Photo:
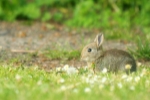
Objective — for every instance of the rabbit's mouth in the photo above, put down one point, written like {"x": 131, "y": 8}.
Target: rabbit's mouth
{"x": 84, "y": 58}
{"x": 87, "y": 59}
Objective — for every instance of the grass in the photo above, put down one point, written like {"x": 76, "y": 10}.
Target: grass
{"x": 18, "y": 82}
{"x": 62, "y": 54}
{"x": 23, "y": 83}
{"x": 120, "y": 34}
{"x": 143, "y": 49}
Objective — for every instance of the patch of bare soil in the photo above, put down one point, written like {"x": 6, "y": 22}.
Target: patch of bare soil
{"x": 22, "y": 41}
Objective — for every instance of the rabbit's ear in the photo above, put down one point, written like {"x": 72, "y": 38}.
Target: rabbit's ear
{"x": 99, "y": 40}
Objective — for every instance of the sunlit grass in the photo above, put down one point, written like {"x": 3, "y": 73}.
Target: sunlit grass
{"x": 120, "y": 34}
{"x": 62, "y": 54}
{"x": 143, "y": 49}
{"x": 23, "y": 83}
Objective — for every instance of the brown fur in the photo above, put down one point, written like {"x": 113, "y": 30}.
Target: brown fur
{"x": 114, "y": 60}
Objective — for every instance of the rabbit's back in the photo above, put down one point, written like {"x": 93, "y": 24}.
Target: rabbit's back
{"x": 115, "y": 60}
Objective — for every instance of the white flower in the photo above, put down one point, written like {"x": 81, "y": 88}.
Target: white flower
{"x": 58, "y": 69}
{"x": 62, "y": 88}
{"x": 72, "y": 70}
{"x": 112, "y": 88}
{"x": 69, "y": 70}
{"x": 65, "y": 68}
{"x": 87, "y": 90}
{"x": 95, "y": 78}
{"x": 143, "y": 72}
{"x": 87, "y": 80}
{"x": 90, "y": 75}
{"x": 36, "y": 67}
{"x": 85, "y": 67}
{"x": 139, "y": 64}
{"x": 91, "y": 81}
{"x": 132, "y": 88}
{"x": 119, "y": 85}
{"x": 39, "y": 82}
{"x": 75, "y": 90}
{"x": 137, "y": 78}
{"x": 101, "y": 86}
{"x": 104, "y": 70}
{"x": 124, "y": 76}
{"x": 129, "y": 79}
{"x": 128, "y": 66}
{"x": 18, "y": 77}
{"x": 61, "y": 80}
{"x": 147, "y": 83}
{"x": 104, "y": 79}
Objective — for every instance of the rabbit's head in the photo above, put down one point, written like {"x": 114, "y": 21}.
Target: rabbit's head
{"x": 93, "y": 50}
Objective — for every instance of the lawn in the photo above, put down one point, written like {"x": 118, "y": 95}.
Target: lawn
{"x": 23, "y": 83}
{"x": 56, "y": 31}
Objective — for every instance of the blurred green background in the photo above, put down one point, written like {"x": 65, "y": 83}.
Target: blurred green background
{"x": 79, "y": 13}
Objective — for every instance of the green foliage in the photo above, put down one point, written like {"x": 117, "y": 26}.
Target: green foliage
{"x": 58, "y": 17}
{"x": 85, "y": 17}
{"x": 46, "y": 17}
{"x": 31, "y": 11}
{"x": 12, "y": 9}
{"x": 120, "y": 13}
{"x": 80, "y": 13}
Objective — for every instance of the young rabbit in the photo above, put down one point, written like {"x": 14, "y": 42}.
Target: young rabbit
{"x": 114, "y": 60}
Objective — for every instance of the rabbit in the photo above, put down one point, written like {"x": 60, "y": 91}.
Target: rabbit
{"x": 113, "y": 60}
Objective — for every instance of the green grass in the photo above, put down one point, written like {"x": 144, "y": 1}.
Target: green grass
{"x": 143, "y": 49}
{"x": 119, "y": 34}
{"x": 62, "y": 54}
{"x": 24, "y": 83}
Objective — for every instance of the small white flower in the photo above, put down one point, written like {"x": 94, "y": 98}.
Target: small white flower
{"x": 137, "y": 78}
{"x": 87, "y": 90}
{"x": 69, "y": 70}
{"x": 147, "y": 83}
{"x": 129, "y": 79}
{"x": 87, "y": 80}
{"x": 128, "y": 66}
{"x": 36, "y": 67}
{"x": 143, "y": 72}
{"x": 58, "y": 69}
{"x": 90, "y": 75}
{"x": 104, "y": 79}
{"x": 85, "y": 68}
{"x": 39, "y": 82}
{"x": 63, "y": 88}
{"x": 132, "y": 88}
{"x": 101, "y": 86}
{"x": 104, "y": 70}
{"x": 18, "y": 77}
{"x": 124, "y": 76}
{"x": 65, "y": 68}
{"x": 95, "y": 78}
{"x": 112, "y": 88}
{"x": 119, "y": 85}
{"x": 75, "y": 90}
{"x": 91, "y": 81}
{"x": 139, "y": 64}
{"x": 72, "y": 70}
{"x": 61, "y": 80}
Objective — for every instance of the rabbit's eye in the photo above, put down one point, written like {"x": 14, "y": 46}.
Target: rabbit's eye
{"x": 89, "y": 49}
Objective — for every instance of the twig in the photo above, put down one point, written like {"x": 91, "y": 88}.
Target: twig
{"x": 22, "y": 51}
